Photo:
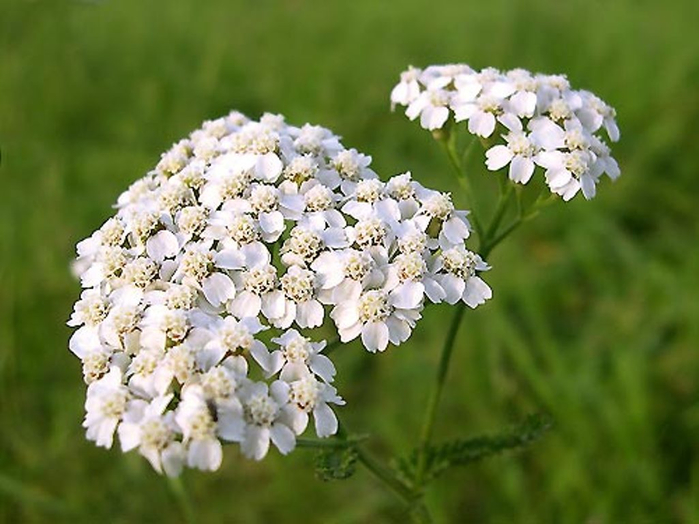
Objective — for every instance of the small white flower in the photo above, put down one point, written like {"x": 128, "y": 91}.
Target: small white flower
{"x": 519, "y": 153}
{"x": 299, "y": 351}
{"x": 105, "y": 405}
{"x": 300, "y": 302}
{"x": 153, "y": 432}
{"x": 198, "y": 426}
{"x": 263, "y": 418}
{"x": 380, "y": 316}
{"x": 343, "y": 274}
{"x": 307, "y": 395}
{"x": 454, "y": 227}
{"x": 432, "y": 106}
{"x": 407, "y": 89}
{"x": 459, "y": 279}
{"x": 231, "y": 337}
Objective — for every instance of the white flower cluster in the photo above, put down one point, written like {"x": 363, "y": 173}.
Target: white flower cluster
{"x": 243, "y": 231}
{"x": 541, "y": 120}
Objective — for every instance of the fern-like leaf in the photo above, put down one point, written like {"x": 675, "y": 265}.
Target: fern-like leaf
{"x": 336, "y": 463}
{"x": 461, "y": 452}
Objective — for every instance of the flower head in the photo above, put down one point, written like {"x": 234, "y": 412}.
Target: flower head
{"x": 536, "y": 120}
{"x": 245, "y": 227}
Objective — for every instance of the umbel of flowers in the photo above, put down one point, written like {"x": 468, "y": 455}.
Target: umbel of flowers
{"x": 532, "y": 119}
{"x": 199, "y": 294}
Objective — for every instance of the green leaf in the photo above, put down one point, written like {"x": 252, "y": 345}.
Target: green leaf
{"x": 336, "y": 463}
{"x": 462, "y": 452}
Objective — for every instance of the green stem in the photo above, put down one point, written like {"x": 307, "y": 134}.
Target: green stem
{"x": 385, "y": 475}
{"x": 488, "y": 243}
{"x": 499, "y": 214}
{"x": 522, "y": 217}
{"x": 449, "y": 145}
{"x": 180, "y": 493}
{"x": 332, "y": 443}
{"x": 436, "y": 395}
{"x": 342, "y": 440}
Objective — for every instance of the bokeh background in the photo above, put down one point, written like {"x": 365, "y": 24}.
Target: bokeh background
{"x": 595, "y": 318}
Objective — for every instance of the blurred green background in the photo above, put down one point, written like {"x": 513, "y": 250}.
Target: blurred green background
{"x": 595, "y": 317}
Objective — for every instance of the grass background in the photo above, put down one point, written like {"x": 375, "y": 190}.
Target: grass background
{"x": 595, "y": 317}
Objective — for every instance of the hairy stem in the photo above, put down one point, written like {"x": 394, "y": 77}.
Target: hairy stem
{"x": 383, "y": 473}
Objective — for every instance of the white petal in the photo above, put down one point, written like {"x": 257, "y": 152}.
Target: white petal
{"x": 416, "y": 107}
{"x": 84, "y": 341}
{"x": 550, "y": 159}
{"x": 273, "y": 304}
{"x": 231, "y": 426}
{"x": 453, "y": 287}
{"x": 434, "y": 291}
{"x": 325, "y": 420}
{"x": 500, "y": 89}
{"x": 152, "y": 338}
{"x": 434, "y": 117}
{"x": 296, "y": 419}
{"x": 345, "y": 315}
{"x": 464, "y": 112}
{"x": 498, "y": 157}
{"x": 521, "y": 169}
{"x": 557, "y": 178}
{"x": 398, "y": 330}
{"x": 256, "y": 254}
{"x": 173, "y": 459}
{"x": 309, "y": 314}
{"x": 246, "y": 304}
{"x": 456, "y": 230}
{"x": 129, "y": 436}
{"x": 230, "y": 258}
{"x": 546, "y": 134}
{"x": 587, "y": 184}
{"x": 256, "y": 442}
{"x": 482, "y": 124}
{"x": 268, "y": 167}
{"x": 511, "y": 122}
{"x": 162, "y": 245}
{"x": 323, "y": 367}
{"x": 407, "y": 295}
{"x": 350, "y": 332}
{"x": 218, "y": 288}
{"x": 476, "y": 292}
{"x": 205, "y": 454}
{"x": 612, "y": 130}
{"x": 283, "y": 438}
{"x": 209, "y": 355}
{"x": 272, "y": 222}
{"x": 375, "y": 336}
{"x": 335, "y": 237}
{"x": 524, "y": 103}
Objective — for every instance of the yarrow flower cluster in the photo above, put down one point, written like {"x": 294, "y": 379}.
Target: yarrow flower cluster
{"x": 540, "y": 121}
{"x": 197, "y": 292}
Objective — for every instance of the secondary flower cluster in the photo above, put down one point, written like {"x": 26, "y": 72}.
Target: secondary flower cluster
{"x": 245, "y": 233}
{"x": 540, "y": 119}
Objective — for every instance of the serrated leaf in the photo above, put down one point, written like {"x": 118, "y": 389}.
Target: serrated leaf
{"x": 336, "y": 463}
{"x": 461, "y": 452}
